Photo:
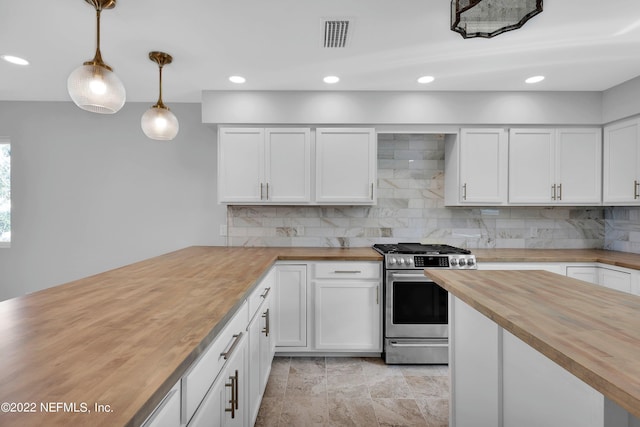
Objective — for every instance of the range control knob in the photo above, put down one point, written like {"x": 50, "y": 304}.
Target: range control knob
{"x": 470, "y": 262}
{"x": 453, "y": 261}
{"x": 462, "y": 262}
{"x": 392, "y": 261}
{"x": 401, "y": 261}
{"x": 410, "y": 260}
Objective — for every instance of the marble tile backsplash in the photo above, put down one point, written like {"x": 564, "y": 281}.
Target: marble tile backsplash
{"x": 622, "y": 229}
{"x": 411, "y": 208}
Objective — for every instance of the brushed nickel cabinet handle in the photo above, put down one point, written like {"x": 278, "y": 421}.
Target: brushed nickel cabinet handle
{"x": 372, "y": 191}
{"x": 261, "y": 185}
{"x": 267, "y": 191}
{"x": 635, "y": 189}
{"x": 553, "y": 192}
{"x": 559, "y": 191}
{"x": 266, "y": 292}
{"x": 377, "y": 295}
{"x": 232, "y": 384}
{"x": 265, "y": 315}
{"x": 227, "y": 353}
{"x": 464, "y": 191}
{"x": 235, "y": 397}
{"x": 347, "y": 271}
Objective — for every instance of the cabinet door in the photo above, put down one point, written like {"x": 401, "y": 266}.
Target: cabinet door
{"x": 346, "y": 165}
{"x": 267, "y": 343}
{"x": 538, "y": 392}
{"x": 288, "y": 165}
{"x": 291, "y": 306}
{"x": 240, "y": 165}
{"x": 621, "y": 163}
{"x": 347, "y": 315}
{"x": 483, "y": 166}
{"x": 167, "y": 414}
{"x": 209, "y": 412}
{"x": 531, "y": 166}
{"x": 578, "y": 166}
{"x": 618, "y": 280}
{"x": 235, "y": 391}
{"x": 254, "y": 366}
{"x": 587, "y": 274}
{"x": 474, "y": 361}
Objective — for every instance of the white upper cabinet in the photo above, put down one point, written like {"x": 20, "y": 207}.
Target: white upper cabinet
{"x": 579, "y": 166}
{"x": 555, "y": 166}
{"x": 288, "y": 165}
{"x": 240, "y": 165}
{"x": 476, "y": 168}
{"x": 346, "y": 166}
{"x": 621, "y": 180}
{"x": 262, "y": 166}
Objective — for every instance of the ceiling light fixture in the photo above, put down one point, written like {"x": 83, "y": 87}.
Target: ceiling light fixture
{"x": 237, "y": 79}
{"x": 331, "y": 79}
{"x": 158, "y": 122}
{"x": 488, "y": 18}
{"x": 15, "y": 60}
{"x": 426, "y": 79}
{"x": 94, "y": 86}
{"x": 534, "y": 79}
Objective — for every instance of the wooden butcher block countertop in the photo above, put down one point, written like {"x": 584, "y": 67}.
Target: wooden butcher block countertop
{"x": 620, "y": 259}
{"x": 123, "y": 338}
{"x": 591, "y": 331}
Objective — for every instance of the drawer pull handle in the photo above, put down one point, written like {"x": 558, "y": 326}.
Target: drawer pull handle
{"x": 227, "y": 353}
{"x": 347, "y": 271}
{"x": 234, "y": 394}
{"x": 464, "y": 191}
{"x": 265, "y": 316}
{"x": 266, "y": 292}
{"x": 635, "y": 189}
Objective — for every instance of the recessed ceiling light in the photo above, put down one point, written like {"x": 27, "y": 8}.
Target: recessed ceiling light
{"x": 426, "y": 79}
{"x": 534, "y": 79}
{"x": 331, "y": 79}
{"x": 15, "y": 60}
{"x": 237, "y": 79}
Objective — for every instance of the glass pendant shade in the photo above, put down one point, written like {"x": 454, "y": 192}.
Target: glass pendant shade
{"x": 159, "y": 123}
{"x": 96, "y": 89}
{"x": 488, "y": 18}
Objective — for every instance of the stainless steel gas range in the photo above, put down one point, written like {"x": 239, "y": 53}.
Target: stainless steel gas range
{"x": 416, "y": 309}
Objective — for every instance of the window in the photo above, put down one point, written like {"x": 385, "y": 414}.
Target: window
{"x": 5, "y": 192}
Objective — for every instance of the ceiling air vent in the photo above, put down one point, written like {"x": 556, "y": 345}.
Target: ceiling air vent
{"x": 336, "y": 32}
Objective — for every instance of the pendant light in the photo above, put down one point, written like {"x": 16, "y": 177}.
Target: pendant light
{"x": 158, "y": 122}
{"x": 94, "y": 86}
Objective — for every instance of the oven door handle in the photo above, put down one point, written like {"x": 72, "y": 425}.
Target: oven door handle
{"x": 418, "y": 344}
{"x": 411, "y": 276}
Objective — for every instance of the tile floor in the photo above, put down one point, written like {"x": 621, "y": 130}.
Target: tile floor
{"x": 347, "y": 391}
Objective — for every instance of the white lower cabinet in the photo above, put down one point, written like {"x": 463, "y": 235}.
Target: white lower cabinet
{"x": 291, "y": 305}
{"x": 337, "y": 309}
{"x": 167, "y": 413}
{"x": 499, "y": 381}
{"x": 225, "y": 404}
{"x": 261, "y": 348}
{"x": 347, "y": 315}
{"x": 611, "y": 277}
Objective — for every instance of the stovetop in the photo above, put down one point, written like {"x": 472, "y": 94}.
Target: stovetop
{"x": 418, "y": 249}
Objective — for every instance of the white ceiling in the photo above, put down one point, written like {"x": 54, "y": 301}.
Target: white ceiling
{"x": 579, "y": 45}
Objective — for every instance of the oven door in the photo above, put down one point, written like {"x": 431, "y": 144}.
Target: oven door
{"x": 415, "y": 307}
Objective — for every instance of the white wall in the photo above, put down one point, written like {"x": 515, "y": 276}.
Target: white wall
{"x": 384, "y": 108}
{"x": 90, "y": 192}
{"x": 621, "y": 101}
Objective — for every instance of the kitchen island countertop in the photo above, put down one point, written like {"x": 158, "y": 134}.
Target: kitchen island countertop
{"x": 591, "y": 331}
{"x": 123, "y": 338}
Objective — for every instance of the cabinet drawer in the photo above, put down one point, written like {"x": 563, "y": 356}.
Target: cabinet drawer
{"x": 167, "y": 413}
{"x": 204, "y": 371}
{"x": 347, "y": 270}
{"x": 260, "y": 293}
